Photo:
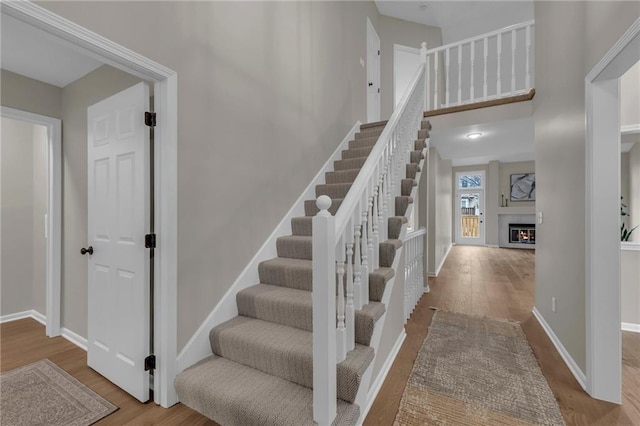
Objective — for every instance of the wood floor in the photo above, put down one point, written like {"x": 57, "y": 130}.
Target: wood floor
{"x": 500, "y": 283}
{"x": 474, "y": 280}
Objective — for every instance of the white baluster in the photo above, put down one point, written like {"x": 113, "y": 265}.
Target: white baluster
{"x": 350, "y": 308}
{"x": 376, "y": 234}
{"x": 528, "y": 54}
{"x": 436, "y": 82}
{"x": 473, "y": 58}
{"x": 357, "y": 266}
{"x": 423, "y": 59}
{"x": 499, "y": 81}
{"x": 459, "y": 74}
{"x": 341, "y": 331}
{"x": 447, "y": 77}
{"x": 406, "y": 288}
{"x": 428, "y": 85}
{"x": 365, "y": 258}
{"x": 513, "y": 61}
{"x": 486, "y": 61}
{"x": 370, "y": 247}
{"x": 324, "y": 314}
{"x": 421, "y": 266}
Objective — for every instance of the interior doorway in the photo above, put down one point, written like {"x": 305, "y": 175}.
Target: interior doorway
{"x": 373, "y": 74}
{"x": 470, "y": 204}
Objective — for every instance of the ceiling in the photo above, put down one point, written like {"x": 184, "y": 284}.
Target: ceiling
{"x": 459, "y": 20}
{"x": 504, "y": 141}
{"x": 34, "y": 53}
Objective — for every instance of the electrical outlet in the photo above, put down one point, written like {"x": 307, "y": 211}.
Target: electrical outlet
{"x": 540, "y": 218}
{"x": 554, "y": 305}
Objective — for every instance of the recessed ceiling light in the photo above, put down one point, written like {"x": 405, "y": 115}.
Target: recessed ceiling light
{"x": 474, "y": 135}
{"x": 423, "y": 6}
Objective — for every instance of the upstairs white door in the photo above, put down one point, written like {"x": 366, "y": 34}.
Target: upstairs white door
{"x": 373, "y": 74}
{"x": 118, "y": 268}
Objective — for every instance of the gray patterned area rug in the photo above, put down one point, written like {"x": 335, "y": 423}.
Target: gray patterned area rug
{"x": 476, "y": 371}
{"x": 44, "y": 394}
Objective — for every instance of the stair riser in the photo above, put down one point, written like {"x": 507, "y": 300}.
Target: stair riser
{"x": 416, "y": 156}
{"x": 419, "y": 144}
{"x": 296, "y": 277}
{"x": 425, "y": 124}
{"x": 302, "y": 226}
{"x": 337, "y": 190}
{"x": 345, "y": 176}
{"x": 368, "y": 134}
{"x": 363, "y": 143}
{"x": 412, "y": 170}
{"x": 356, "y": 153}
{"x": 350, "y": 164}
{"x": 311, "y": 209}
{"x": 294, "y": 249}
{"x": 373, "y": 125}
{"x": 406, "y": 186}
{"x": 402, "y": 203}
{"x": 423, "y": 134}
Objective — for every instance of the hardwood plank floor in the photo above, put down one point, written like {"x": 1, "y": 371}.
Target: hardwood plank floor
{"x": 476, "y": 280}
{"x": 500, "y": 283}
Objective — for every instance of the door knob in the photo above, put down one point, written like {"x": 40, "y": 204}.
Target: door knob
{"x": 370, "y": 84}
{"x": 86, "y": 250}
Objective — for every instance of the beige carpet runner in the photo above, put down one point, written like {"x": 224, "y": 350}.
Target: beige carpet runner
{"x": 260, "y": 372}
{"x": 476, "y": 371}
{"x": 44, "y": 394}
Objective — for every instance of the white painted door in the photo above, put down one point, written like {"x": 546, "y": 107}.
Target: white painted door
{"x": 470, "y": 208}
{"x": 373, "y": 74}
{"x": 118, "y": 269}
{"x": 406, "y": 61}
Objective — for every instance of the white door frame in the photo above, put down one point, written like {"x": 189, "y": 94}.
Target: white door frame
{"x": 373, "y": 114}
{"x": 397, "y": 50}
{"x": 602, "y": 219}
{"x": 54, "y": 211}
{"x": 165, "y": 163}
{"x": 480, "y": 190}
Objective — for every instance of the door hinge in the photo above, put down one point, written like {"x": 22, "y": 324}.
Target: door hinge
{"x": 378, "y": 90}
{"x": 150, "y": 240}
{"x": 150, "y": 119}
{"x": 150, "y": 363}
{"x": 378, "y": 52}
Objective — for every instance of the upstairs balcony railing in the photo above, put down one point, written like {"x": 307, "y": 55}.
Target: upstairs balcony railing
{"x": 491, "y": 66}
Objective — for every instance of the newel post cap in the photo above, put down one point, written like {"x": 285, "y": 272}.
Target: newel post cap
{"x": 323, "y": 202}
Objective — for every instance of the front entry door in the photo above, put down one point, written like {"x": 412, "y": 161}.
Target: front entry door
{"x": 469, "y": 209}
{"x": 118, "y": 218}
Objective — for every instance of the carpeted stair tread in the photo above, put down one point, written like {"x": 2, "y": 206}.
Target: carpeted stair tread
{"x": 235, "y": 395}
{"x": 342, "y": 176}
{"x": 294, "y": 308}
{"x": 419, "y": 144}
{"x": 290, "y": 273}
{"x": 369, "y": 133}
{"x": 425, "y": 124}
{"x": 356, "y": 152}
{"x": 378, "y": 281}
{"x": 374, "y": 124}
{"x": 294, "y": 247}
{"x": 394, "y": 226}
{"x": 416, "y": 156}
{"x": 302, "y": 225}
{"x": 363, "y": 142}
{"x": 402, "y": 203}
{"x": 333, "y": 190}
{"x": 387, "y": 252}
{"x": 311, "y": 209}
{"x": 423, "y": 133}
{"x": 412, "y": 170}
{"x": 285, "y": 352}
{"x": 406, "y": 186}
{"x": 350, "y": 164}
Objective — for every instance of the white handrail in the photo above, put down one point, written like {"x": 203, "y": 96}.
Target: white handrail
{"x": 346, "y": 247}
{"x": 503, "y": 73}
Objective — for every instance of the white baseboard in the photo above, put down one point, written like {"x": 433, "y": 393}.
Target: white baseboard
{"x": 24, "y": 314}
{"x": 444, "y": 258}
{"x": 377, "y": 383}
{"x": 493, "y": 246}
{"x": 74, "y": 338}
{"x": 573, "y": 367}
{"x": 198, "y": 347}
{"x": 629, "y": 326}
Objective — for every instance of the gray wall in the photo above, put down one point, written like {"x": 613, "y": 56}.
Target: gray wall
{"x": 630, "y": 290}
{"x": 266, "y": 91}
{"x": 506, "y": 170}
{"x": 440, "y": 209}
{"x": 630, "y": 96}
{"x": 23, "y": 203}
{"x": 570, "y": 38}
{"x": 633, "y": 199}
{"x": 397, "y": 31}
{"x": 76, "y": 98}
{"x": 31, "y": 95}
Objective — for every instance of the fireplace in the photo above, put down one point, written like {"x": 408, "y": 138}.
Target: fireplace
{"x": 522, "y": 233}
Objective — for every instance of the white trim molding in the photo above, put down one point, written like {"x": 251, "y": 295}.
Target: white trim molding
{"x": 32, "y": 313}
{"x": 630, "y": 129}
{"x": 53, "y": 260}
{"x": 375, "y": 387}
{"x": 74, "y": 338}
{"x": 629, "y": 246}
{"x": 602, "y": 203}
{"x": 444, "y": 258}
{"x": 628, "y": 326}
{"x": 166, "y": 166}
{"x": 568, "y": 359}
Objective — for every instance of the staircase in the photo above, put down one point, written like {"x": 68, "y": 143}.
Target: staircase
{"x": 261, "y": 370}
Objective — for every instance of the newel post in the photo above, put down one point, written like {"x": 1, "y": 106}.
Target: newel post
{"x": 324, "y": 314}
{"x": 423, "y": 59}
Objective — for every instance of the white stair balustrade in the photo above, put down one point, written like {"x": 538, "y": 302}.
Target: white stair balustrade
{"x": 414, "y": 285}
{"x": 353, "y": 237}
{"x": 507, "y": 68}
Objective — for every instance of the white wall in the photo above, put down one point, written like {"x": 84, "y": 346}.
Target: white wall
{"x": 23, "y": 203}
{"x": 630, "y": 286}
{"x": 405, "y": 65}
{"x": 633, "y": 200}
{"x": 630, "y": 96}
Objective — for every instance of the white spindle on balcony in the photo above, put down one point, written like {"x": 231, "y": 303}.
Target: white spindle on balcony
{"x": 493, "y": 87}
{"x": 353, "y": 237}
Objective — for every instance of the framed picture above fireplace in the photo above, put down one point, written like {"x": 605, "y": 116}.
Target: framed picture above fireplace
{"x": 523, "y": 187}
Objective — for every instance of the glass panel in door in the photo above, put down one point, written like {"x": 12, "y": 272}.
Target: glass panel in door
{"x": 469, "y": 226}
